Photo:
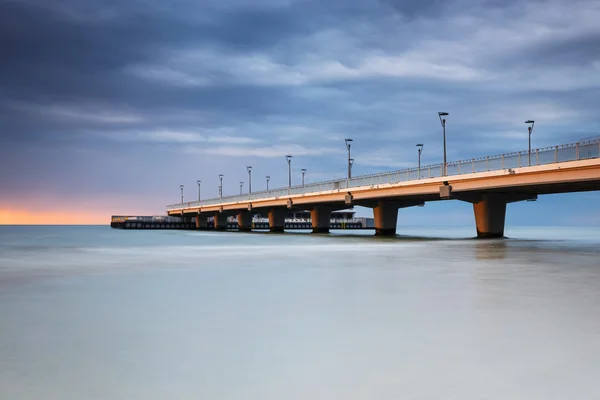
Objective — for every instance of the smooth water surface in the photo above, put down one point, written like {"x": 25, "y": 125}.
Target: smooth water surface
{"x": 96, "y": 313}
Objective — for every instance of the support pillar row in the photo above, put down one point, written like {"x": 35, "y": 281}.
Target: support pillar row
{"x": 490, "y": 213}
{"x": 277, "y": 219}
{"x": 321, "y": 218}
{"x": 244, "y": 221}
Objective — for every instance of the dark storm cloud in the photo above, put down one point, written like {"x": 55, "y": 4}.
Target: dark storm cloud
{"x": 194, "y": 86}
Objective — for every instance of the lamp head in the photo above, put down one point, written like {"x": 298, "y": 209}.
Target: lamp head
{"x": 198, "y": 182}
{"x": 442, "y": 114}
{"x": 249, "y": 167}
{"x": 529, "y": 121}
{"x": 288, "y": 158}
{"x": 303, "y": 170}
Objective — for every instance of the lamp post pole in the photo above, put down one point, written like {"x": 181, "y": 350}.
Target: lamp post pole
{"x": 249, "y": 168}
{"x": 420, "y": 149}
{"x": 199, "y": 183}
{"x": 443, "y": 121}
{"x": 268, "y": 177}
{"x": 221, "y": 186}
{"x": 348, "y": 142}
{"x": 303, "y": 172}
{"x": 530, "y": 129}
{"x": 289, "y": 161}
{"x": 181, "y": 187}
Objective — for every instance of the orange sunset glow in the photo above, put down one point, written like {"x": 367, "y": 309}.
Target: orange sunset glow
{"x": 25, "y": 217}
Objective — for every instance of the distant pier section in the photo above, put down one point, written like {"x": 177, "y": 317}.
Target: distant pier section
{"x": 294, "y": 220}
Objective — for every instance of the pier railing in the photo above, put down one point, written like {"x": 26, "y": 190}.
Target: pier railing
{"x": 542, "y": 156}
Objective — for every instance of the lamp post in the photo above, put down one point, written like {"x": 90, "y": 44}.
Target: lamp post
{"x": 199, "y": 183}
{"x": 268, "y": 178}
{"x": 241, "y": 185}
{"x": 420, "y": 148}
{"x": 348, "y": 144}
{"x": 443, "y": 121}
{"x": 249, "y": 168}
{"x": 530, "y": 129}
{"x": 181, "y": 187}
{"x": 289, "y": 161}
{"x": 303, "y": 172}
{"x": 221, "y": 185}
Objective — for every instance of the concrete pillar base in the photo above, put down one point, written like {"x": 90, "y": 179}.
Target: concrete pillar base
{"x": 386, "y": 217}
{"x": 490, "y": 213}
{"x": 245, "y": 221}
{"x": 277, "y": 219}
{"x": 220, "y": 222}
{"x": 385, "y": 232}
{"x": 320, "y": 217}
{"x": 201, "y": 222}
{"x": 490, "y": 235}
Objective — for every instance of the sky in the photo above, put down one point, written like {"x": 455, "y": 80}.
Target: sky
{"x": 107, "y": 106}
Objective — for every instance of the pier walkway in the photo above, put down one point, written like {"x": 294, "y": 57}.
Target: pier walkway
{"x": 489, "y": 183}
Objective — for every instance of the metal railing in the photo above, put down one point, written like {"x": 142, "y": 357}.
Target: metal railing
{"x": 546, "y": 155}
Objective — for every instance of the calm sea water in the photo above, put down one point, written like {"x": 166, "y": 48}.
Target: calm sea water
{"x": 95, "y": 313}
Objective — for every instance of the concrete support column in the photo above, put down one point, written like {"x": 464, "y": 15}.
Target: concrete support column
{"x": 490, "y": 213}
{"x": 201, "y": 221}
{"x": 386, "y": 217}
{"x": 277, "y": 219}
{"x": 245, "y": 221}
{"x": 320, "y": 216}
{"x": 220, "y": 221}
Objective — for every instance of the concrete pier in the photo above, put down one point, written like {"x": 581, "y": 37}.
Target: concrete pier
{"x": 321, "y": 217}
{"x": 277, "y": 219}
{"x": 490, "y": 213}
{"x": 220, "y": 221}
{"x": 201, "y": 222}
{"x": 385, "y": 214}
{"x": 489, "y": 183}
{"x": 244, "y": 221}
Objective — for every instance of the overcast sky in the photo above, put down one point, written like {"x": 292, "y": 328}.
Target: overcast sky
{"x": 107, "y": 106}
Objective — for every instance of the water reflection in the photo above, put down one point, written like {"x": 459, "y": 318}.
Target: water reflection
{"x": 490, "y": 249}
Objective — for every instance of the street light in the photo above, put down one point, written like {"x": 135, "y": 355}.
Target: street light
{"x": 221, "y": 186}
{"x": 289, "y": 161}
{"x": 241, "y": 185}
{"x": 420, "y": 147}
{"x": 199, "y": 183}
{"x": 530, "y": 129}
{"x": 181, "y": 187}
{"x": 348, "y": 144}
{"x": 303, "y": 172}
{"x": 443, "y": 121}
{"x": 268, "y": 177}
{"x": 249, "y": 168}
